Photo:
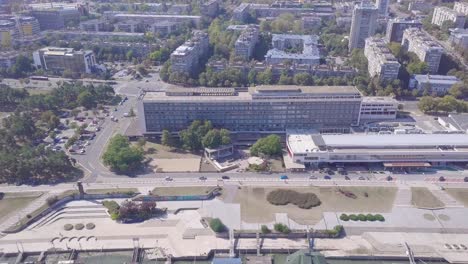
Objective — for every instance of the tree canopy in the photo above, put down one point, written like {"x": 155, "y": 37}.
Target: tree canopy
{"x": 267, "y": 146}
{"x": 201, "y": 134}
{"x": 121, "y": 156}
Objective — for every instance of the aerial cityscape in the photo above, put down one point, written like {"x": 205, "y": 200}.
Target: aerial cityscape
{"x": 234, "y": 131}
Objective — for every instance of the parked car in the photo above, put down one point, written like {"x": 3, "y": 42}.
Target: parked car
{"x": 168, "y": 178}
{"x": 313, "y": 177}
{"x": 224, "y": 177}
{"x": 202, "y": 178}
{"x": 362, "y": 178}
{"x": 389, "y": 178}
{"x": 463, "y": 247}
{"x": 347, "y": 178}
{"x": 442, "y": 178}
{"x": 284, "y": 177}
{"x": 327, "y": 177}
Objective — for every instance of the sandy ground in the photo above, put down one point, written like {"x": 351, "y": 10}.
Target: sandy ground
{"x": 459, "y": 194}
{"x": 423, "y": 198}
{"x": 158, "y": 151}
{"x": 15, "y": 201}
{"x": 176, "y": 165}
{"x": 255, "y": 207}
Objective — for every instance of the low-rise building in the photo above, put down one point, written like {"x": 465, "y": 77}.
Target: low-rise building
{"x": 439, "y": 84}
{"x": 58, "y": 60}
{"x": 165, "y": 28}
{"x": 393, "y": 150}
{"x": 442, "y": 14}
{"x": 210, "y": 8}
{"x": 130, "y": 26}
{"x": 418, "y": 41}
{"x": 311, "y": 22}
{"x": 8, "y": 59}
{"x": 93, "y": 25}
{"x": 299, "y": 49}
{"x": 459, "y": 38}
{"x": 381, "y": 62}
{"x": 378, "y": 108}
{"x": 397, "y": 26}
{"x": 187, "y": 56}
{"x": 245, "y": 44}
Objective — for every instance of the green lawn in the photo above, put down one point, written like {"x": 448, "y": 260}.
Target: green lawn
{"x": 12, "y": 202}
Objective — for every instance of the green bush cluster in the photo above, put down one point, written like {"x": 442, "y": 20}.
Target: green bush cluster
{"x": 282, "y": 228}
{"x": 336, "y": 231}
{"x": 265, "y": 229}
{"x": 90, "y": 226}
{"x": 68, "y": 227}
{"x": 79, "y": 226}
{"x": 362, "y": 217}
{"x": 217, "y": 226}
{"x": 302, "y": 200}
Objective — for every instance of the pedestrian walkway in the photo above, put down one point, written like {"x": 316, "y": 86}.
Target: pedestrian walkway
{"x": 403, "y": 197}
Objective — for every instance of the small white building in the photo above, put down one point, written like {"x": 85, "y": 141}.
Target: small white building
{"x": 439, "y": 84}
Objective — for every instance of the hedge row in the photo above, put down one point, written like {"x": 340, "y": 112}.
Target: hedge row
{"x": 362, "y": 217}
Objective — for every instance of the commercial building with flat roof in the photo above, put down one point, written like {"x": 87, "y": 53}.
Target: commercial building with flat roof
{"x": 378, "y": 108}
{"x": 363, "y": 24}
{"x": 394, "y": 150}
{"x": 260, "y": 109}
{"x": 381, "y": 62}
{"x": 397, "y": 26}
{"x": 439, "y": 84}
{"x": 59, "y": 59}
{"x": 442, "y": 14}
{"x": 418, "y": 41}
{"x": 299, "y": 49}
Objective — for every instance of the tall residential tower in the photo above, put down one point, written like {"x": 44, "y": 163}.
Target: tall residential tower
{"x": 363, "y": 24}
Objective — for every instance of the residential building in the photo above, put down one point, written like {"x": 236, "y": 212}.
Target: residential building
{"x": 311, "y": 22}
{"x": 393, "y": 150}
{"x": 179, "y": 9}
{"x": 378, "y": 108}
{"x": 298, "y": 49}
{"x": 58, "y": 60}
{"x": 397, "y": 26}
{"x": 245, "y": 44}
{"x": 438, "y": 84}
{"x": 56, "y": 15}
{"x": 210, "y": 8}
{"x": 461, "y": 7}
{"x": 459, "y": 38}
{"x": 418, "y": 41}
{"x": 129, "y": 26}
{"x": 382, "y": 5}
{"x": 95, "y": 36}
{"x": 381, "y": 62}
{"x": 147, "y": 20}
{"x": 363, "y": 24}
{"x": 266, "y": 109}
{"x": 93, "y": 25}
{"x": 419, "y": 5}
{"x": 442, "y": 14}
{"x": 8, "y": 32}
{"x": 8, "y": 59}
{"x": 187, "y": 56}
{"x": 165, "y": 28}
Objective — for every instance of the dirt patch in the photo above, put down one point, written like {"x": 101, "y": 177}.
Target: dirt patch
{"x": 444, "y": 217}
{"x": 459, "y": 194}
{"x": 429, "y": 217}
{"x": 380, "y": 199}
{"x": 176, "y": 165}
{"x": 423, "y": 198}
{"x": 158, "y": 151}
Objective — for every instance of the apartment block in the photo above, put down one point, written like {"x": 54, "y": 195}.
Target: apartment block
{"x": 210, "y": 8}
{"x": 264, "y": 109}
{"x": 147, "y": 20}
{"x": 461, "y": 7}
{"x": 418, "y": 41}
{"x": 381, "y": 62}
{"x": 438, "y": 84}
{"x": 187, "y": 56}
{"x": 299, "y": 49}
{"x": 8, "y": 32}
{"x": 58, "y": 60}
{"x": 382, "y": 5}
{"x": 442, "y": 14}
{"x": 27, "y": 26}
{"x": 164, "y": 28}
{"x": 419, "y": 5}
{"x": 363, "y": 24}
{"x": 245, "y": 44}
{"x": 56, "y": 15}
{"x": 459, "y": 38}
{"x": 397, "y": 26}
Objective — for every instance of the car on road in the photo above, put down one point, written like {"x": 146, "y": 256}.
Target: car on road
{"x": 389, "y": 178}
{"x": 168, "y": 178}
{"x": 465, "y": 179}
{"x": 455, "y": 246}
{"x": 202, "y": 178}
{"x": 447, "y": 246}
{"x": 463, "y": 247}
{"x": 327, "y": 177}
{"x": 362, "y": 178}
{"x": 224, "y": 177}
{"x": 347, "y": 178}
{"x": 284, "y": 177}
{"x": 313, "y": 177}
{"x": 442, "y": 178}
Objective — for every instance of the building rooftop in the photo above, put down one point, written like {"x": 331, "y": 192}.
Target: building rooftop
{"x": 439, "y": 79}
{"x": 379, "y": 99}
{"x": 309, "y": 47}
{"x": 226, "y": 261}
{"x": 423, "y": 39}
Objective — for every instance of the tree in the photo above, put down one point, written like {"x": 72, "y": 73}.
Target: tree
{"x": 302, "y": 79}
{"x": 86, "y": 100}
{"x": 166, "y": 138}
{"x": 265, "y": 229}
{"x": 122, "y": 157}
{"x": 50, "y": 119}
{"x": 270, "y": 146}
{"x": 417, "y": 68}
{"x": 212, "y": 139}
{"x": 225, "y": 136}
{"x": 459, "y": 90}
{"x": 217, "y": 226}
{"x": 427, "y": 104}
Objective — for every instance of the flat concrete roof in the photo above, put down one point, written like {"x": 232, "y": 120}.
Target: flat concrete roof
{"x": 308, "y": 89}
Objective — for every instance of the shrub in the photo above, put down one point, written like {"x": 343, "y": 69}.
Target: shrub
{"x": 90, "y": 226}
{"x": 344, "y": 217}
{"x": 353, "y": 217}
{"x": 217, "y": 226}
{"x": 282, "y": 228}
{"x": 379, "y": 217}
{"x": 362, "y": 217}
{"x": 302, "y": 200}
{"x": 79, "y": 226}
{"x": 265, "y": 229}
{"x": 112, "y": 207}
{"x": 52, "y": 200}
{"x": 68, "y": 227}
{"x": 370, "y": 217}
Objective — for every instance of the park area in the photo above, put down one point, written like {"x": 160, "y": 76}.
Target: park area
{"x": 11, "y": 202}
{"x": 423, "y": 198}
{"x": 333, "y": 199}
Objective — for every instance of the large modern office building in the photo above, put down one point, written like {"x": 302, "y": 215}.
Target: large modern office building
{"x": 393, "y": 150}
{"x": 58, "y": 60}
{"x": 363, "y": 24}
{"x": 260, "y": 109}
